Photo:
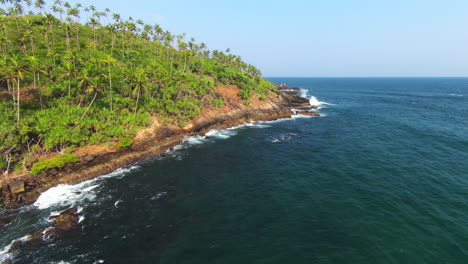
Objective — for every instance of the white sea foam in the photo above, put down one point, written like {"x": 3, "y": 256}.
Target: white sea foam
{"x": 5, "y": 255}
{"x": 301, "y": 116}
{"x": 458, "y": 95}
{"x": 314, "y": 101}
{"x": 69, "y": 195}
{"x": 44, "y": 237}
{"x": 304, "y": 93}
{"x": 194, "y": 140}
{"x": 81, "y": 218}
{"x": 221, "y": 134}
{"x": 117, "y": 203}
{"x": 216, "y": 134}
{"x": 120, "y": 172}
{"x": 66, "y": 195}
{"x": 54, "y": 213}
{"x": 159, "y": 195}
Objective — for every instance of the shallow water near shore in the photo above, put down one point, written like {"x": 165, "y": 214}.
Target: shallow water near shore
{"x": 382, "y": 177}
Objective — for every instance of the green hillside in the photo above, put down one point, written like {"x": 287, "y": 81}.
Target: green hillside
{"x": 73, "y": 76}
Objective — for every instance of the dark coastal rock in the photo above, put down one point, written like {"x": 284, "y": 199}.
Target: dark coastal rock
{"x": 89, "y": 158}
{"x": 64, "y": 225}
{"x": 306, "y": 108}
{"x": 67, "y": 221}
{"x": 4, "y": 222}
{"x": 4, "y": 189}
{"x": 163, "y": 132}
{"x": 283, "y": 87}
{"x": 308, "y": 113}
{"x": 294, "y": 100}
{"x": 16, "y": 187}
{"x": 30, "y": 183}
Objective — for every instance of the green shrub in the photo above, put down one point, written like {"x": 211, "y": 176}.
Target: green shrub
{"x": 217, "y": 102}
{"x": 125, "y": 142}
{"x": 55, "y": 162}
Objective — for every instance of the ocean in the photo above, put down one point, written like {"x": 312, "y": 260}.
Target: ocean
{"x": 380, "y": 177}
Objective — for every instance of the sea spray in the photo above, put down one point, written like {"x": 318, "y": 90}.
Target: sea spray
{"x": 64, "y": 195}
{"x": 314, "y": 101}
{"x": 217, "y": 134}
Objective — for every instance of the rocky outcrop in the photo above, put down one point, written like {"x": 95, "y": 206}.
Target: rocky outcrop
{"x": 153, "y": 141}
{"x": 16, "y": 187}
{"x": 64, "y": 226}
{"x": 307, "y": 108}
{"x": 307, "y": 113}
{"x": 284, "y": 87}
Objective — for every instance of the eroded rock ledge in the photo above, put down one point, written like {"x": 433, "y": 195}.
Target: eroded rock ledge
{"x": 153, "y": 141}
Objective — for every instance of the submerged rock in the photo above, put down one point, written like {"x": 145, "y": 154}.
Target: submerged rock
{"x": 64, "y": 225}
{"x": 4, "y": 221}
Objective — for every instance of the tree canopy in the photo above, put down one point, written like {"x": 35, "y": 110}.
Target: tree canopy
{"x": 74, "y": 75}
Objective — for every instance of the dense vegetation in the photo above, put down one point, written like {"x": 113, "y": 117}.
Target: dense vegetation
{"x": 73, "y": 75}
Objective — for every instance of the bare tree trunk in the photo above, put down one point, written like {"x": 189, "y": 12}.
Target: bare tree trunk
{"x": 69, "y": 86}
{"x": 110, "y": 88}
{"x": 136, "y": 105}
{"x": 92, "y": 101}
{"x": 18, "y": 100}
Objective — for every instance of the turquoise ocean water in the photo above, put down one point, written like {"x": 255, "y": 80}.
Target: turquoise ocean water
{"x": 381, "y": 177}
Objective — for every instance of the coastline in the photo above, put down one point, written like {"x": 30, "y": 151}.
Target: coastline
{"x": 154, "y": 141}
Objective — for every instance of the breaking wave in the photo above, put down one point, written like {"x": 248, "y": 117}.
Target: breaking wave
{"x": 64, "y": 195}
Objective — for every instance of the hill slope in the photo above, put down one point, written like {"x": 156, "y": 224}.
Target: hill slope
{"x": 67, "y": 83}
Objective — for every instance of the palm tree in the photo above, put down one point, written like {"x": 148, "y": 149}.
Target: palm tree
{"x": 75, "y": 12}
{"x": 94, "y": 23}
{"x": 36, "y": 68}
{"x": 139, "y": 82}
{"x": 68, "y": 72}
{"x": 110, "y": 61}
{"x": 29, "y": 33}
{"x": 9, "y": 76}
{"x": 18, "y": 70}
{"x": 39, "y": 4}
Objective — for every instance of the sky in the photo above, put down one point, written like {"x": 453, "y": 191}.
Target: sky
{"x": 320, "y": 38}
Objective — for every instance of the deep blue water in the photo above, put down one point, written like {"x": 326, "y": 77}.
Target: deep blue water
{"x": 382, "y": 177}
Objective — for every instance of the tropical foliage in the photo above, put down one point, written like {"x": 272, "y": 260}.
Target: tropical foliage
{"x": 73, "y": 75}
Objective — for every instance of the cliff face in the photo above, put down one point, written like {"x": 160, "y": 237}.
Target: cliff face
{"x": 149, "y": 142}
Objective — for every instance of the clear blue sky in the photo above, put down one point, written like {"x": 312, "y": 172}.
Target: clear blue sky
{"x": 321, "y": 37}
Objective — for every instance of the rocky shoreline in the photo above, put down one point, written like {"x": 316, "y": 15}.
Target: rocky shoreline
{"x": 154, "y": 141}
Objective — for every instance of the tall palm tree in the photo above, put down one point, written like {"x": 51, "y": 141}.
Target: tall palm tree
{"x": 68, "y": 71}
{"x": 110, "y": 61}
{"x": 139, "y": 83}
{"x": 36, "y": 68}
{"x": 18, "y": 70}
{"x": 75, "y": 12}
